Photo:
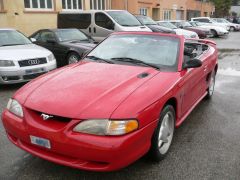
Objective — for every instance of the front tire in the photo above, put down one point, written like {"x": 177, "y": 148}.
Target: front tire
{"x": 163, "y": 135}
{"x": 73, "y": 58}
{"x": 211, "y": 86}
{"x": 232, "y": 29}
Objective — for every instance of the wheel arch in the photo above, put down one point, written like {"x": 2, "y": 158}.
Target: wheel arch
{"x": 173, "y": 102}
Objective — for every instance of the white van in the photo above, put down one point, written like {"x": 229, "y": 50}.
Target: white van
{"x": 99, "y": 24}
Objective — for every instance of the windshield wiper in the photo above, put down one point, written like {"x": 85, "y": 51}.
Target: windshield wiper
{"x": 13, "y": 44}
{"x": 99, "y": 59}
{"x": 135, "y": 61}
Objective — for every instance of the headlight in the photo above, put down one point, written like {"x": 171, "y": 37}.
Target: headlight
{"x": 51, "y": 57}
{"x": 6, "y": 63}
{"x": 14, "y": 107}
{"x": 106, "y": 127}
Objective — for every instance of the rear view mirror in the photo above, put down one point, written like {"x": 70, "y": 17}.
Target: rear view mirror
{"x": 194, "y": 63}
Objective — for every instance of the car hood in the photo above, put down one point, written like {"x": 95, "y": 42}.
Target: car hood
{"x": 78, "y": 44}
{"x": 157, "y": 28}
{"x": 184, "y": 32}
{"x": 86, "y": 90}
{"x": 195, "y": 29}
{"x": 20, "y": 52}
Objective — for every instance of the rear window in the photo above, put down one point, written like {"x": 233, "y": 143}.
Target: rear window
{"x": 79, "y": 21}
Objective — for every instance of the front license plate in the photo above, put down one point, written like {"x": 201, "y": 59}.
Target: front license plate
{"x": 34, "y": 71}
{"x": 40, "y": 142}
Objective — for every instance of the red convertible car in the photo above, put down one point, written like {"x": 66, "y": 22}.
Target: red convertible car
{"x": 123, "y": 100}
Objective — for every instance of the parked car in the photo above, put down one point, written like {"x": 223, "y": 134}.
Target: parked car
{"x": 120, "y": 104}
{"x": 233, "y": 27}
{"x": 185, "y": 33}
{"x": 20, "y": 60}
{"x": 151, "y": 24}
{"x": 209, "y": 20}
{"x": 68, "y": 45}
{"x": 99, "y": 24}
{"x": 202, "y": 33}
{"x": 216, "y": 31}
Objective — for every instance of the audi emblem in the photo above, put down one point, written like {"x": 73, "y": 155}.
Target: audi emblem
{"x": 33, "y": 61}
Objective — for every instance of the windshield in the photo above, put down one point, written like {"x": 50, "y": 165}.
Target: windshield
{"x": 193, "y": 24}
{"x": 70, "y": 35}
{"x": 124, "y": 18}
{"x": 186, "y": 24}
{"x": 167, "y": 24}
{"x": 146, "y": 20}
{"x": 136, "y": 46}
{"x": 12, "y": 37}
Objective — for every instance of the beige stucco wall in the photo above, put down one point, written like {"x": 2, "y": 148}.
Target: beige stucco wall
{"x": 29, "y": 22}
{"x": 26, "y": 22}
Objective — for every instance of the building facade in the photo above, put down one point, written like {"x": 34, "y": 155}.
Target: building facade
{"x": 29, "y": 16}
{"x": 166, "y": 9}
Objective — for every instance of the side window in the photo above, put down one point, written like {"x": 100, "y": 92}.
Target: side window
{"x": 47, "y": 36}
{"x": 79, "y": 21}
{"x": 104, "y": 21}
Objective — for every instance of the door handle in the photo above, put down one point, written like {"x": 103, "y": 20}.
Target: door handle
{"x": 94, "y": 30}
{"x": 90, "y": 30}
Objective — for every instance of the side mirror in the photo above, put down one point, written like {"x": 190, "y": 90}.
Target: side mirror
{"x": 181, "y": 27}
{"x": 33, "y": 40}
{"x": 52, "y": 41}
{"x": 194, "y": 63}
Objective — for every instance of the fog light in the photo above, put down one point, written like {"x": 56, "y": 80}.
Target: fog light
{"x": 5, "y": 78}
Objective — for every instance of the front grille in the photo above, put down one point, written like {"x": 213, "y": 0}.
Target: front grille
{"x": 32, "y": 62}
{"x": 32, "y": 76}
{"x": 54, "y": 118}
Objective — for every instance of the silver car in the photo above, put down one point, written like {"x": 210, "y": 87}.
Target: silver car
{"x": 20, "y": 59}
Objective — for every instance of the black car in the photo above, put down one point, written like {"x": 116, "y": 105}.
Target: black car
{"x": 67, "y": 45}
{"x": 150, "y": 23}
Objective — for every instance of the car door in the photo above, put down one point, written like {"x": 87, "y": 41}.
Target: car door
{"x": 103, "y": 26}
{"x": 192, "y": 86}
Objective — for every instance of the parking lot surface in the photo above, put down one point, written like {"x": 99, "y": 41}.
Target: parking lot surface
{"x": 206, "y": 146}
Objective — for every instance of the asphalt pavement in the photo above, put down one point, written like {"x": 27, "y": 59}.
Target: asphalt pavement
{"x": 206, "y": 146}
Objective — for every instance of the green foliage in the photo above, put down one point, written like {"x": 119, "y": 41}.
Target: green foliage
{"x": 222, "y": 7}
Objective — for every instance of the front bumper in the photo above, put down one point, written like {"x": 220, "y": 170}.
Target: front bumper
{"x": 82, "y": 151}
{"x": 12, "y": 75}
{"x": 220, "y": 33}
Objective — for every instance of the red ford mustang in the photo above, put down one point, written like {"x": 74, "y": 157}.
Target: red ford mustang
{"x": 123, "y": 100}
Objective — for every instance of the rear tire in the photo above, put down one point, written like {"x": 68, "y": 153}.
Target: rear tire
{"x": 211, "y": 86}
{"x": 214, "y": 33}
{"x": 73, "y": 58}
{"x": 163, "y": 134}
